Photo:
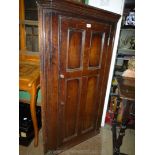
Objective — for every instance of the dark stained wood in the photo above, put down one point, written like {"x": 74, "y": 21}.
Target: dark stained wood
{"x": 106, "y": 73}
{"x": 74, "y": 9}
{"x": 90, "y": 104}
{"x": 74, "y": 49}
{"x": 75, "y": 62}
{"x": 49, "y": 84}
{"x": 70, "y": 109}
{"x": 96, "y": 44}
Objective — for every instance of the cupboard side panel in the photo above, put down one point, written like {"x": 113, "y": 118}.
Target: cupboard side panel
{"x": 49, "y": 77}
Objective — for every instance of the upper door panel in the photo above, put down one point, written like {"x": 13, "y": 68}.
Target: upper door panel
{"x": 82, "y": 44}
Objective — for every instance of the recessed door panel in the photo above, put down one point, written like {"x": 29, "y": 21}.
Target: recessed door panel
{"x": 96, "y": 47}
{"x": 74, "y": 48}
{"x": 71, "y": 107}
{"x": 90, "y": 104}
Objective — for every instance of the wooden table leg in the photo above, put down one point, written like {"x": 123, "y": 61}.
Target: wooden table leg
{"x": 33, "y": 113}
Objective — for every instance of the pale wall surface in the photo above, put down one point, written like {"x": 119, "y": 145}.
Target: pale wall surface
{"x": 110, "y": 5}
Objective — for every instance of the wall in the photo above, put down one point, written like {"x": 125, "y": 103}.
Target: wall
{"x": 110, "y": 5}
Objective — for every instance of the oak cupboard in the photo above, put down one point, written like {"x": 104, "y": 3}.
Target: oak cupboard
{"x": 75, "y": 44}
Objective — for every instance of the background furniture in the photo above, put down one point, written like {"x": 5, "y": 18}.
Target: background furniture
{"x": 126, "y": 87}
{"x": 76, "y": 43}
{"x": 26, "y": 129}
{"x": 125, "y": 55}
{"x": 28, "y": 28}
{"x": 29, "y": 80}
{"x": 126, "y": 46}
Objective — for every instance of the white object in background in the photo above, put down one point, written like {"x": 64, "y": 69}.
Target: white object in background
{"x": 130, "y": 19}
{"x": 115, "y": 6}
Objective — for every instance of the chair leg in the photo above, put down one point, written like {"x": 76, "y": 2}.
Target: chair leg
{"x": 33, "y": 113}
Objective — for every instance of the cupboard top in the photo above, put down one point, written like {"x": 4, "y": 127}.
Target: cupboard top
{"x": 78, "y": 9}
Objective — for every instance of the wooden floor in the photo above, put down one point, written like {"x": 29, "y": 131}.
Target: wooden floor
{"x": 98, "y": 145}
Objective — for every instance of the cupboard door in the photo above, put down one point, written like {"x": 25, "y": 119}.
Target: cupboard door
{"x": 82, "y": 56}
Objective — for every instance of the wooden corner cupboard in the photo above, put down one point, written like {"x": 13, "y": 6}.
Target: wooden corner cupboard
{"x": 76, "y": 43}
